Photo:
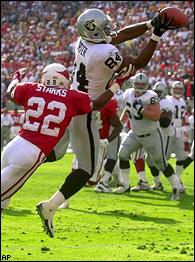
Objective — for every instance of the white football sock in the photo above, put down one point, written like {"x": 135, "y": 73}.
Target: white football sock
{"x": 106, "y": 176}
{"x": 142, "y": 176}
{"x": 56, "y": 200}
{"x": 179, "y": 170}
{"x": 173, "y": 181}
{"x": 157, "y": 179}
{"x": 124, "y": 174}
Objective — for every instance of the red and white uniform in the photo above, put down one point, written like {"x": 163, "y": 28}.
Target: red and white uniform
{"x": 103, "y": 123}
{"x": 107, "y": 112}
{"x": 48, "y": 112}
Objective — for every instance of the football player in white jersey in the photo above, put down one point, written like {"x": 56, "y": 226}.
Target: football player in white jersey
{"x": 143, "y": 107}
{"x": 190, "y": 158}
{"x": 96, "y": 62}
{"x": 177, "y": 141}
{"x": 167, "y": 127}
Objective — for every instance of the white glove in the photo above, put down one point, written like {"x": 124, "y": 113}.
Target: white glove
{"x": 103, "y": 143}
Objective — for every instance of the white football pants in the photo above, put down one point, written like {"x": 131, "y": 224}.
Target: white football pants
{"x": 20, "y": 159}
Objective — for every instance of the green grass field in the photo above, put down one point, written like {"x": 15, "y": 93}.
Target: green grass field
{"x": 142, "y": 226}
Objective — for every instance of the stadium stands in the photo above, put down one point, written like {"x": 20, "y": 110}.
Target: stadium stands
{"x": 36, "y": 33}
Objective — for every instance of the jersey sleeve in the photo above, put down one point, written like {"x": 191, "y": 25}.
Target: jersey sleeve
{"x": 111, "y": 57}
{"x": 83, "y": 103}
{"x": 21, "y": 91}
{"x": 126, "y": 95}
{"x": 111, "y": 107}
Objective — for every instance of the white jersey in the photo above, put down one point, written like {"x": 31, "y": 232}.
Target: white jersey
{"x": 191, "y": 121}
{"x": 179, "y": 106}
{"x": 166, "y": 105}
{"x": 121, "y": 104}
{"x": 139, "y": 124}
{"x": 95, "y": 65}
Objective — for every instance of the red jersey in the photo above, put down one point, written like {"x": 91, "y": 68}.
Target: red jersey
{"x": 16, "y": 118}
{"x": 108, "y": 111}
{"x": 48, "y": 112}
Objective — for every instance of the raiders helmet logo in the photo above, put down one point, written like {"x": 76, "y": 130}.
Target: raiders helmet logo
{"x": 89, "y": 25}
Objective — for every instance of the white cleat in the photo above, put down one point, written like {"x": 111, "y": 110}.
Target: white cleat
{"x": 103, "y": 187}
{"x": 158, "y": 186}
{"x": 65, "y": 204}
{"x": 46, "y": 214}
{"x": 141, "y": 186}
{"x": 122, "y": 189}
{"x": 175, "y": 194}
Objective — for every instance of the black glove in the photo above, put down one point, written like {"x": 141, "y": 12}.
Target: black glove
{"x": 138, "y": 106}
{"x": 161, "y": 24}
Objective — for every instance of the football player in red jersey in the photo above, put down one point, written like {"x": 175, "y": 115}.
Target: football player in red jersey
{"x": 49, "y": 107}
{"x": 109, "y": 129}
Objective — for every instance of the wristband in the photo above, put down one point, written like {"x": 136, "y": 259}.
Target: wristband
{"x": 149, "y": 25}
{"x": 155, "y": 37}
{"x": 141, "y": 111}
{"x": 114, "y": 88}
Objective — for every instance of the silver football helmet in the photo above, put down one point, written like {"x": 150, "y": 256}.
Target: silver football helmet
{"x": 177, "y": 89}
{"x": 94, "y": 26}
{"x": 161, "y": 90}
{"x": 140, "y": 83}
{"x": 55, "y": 75}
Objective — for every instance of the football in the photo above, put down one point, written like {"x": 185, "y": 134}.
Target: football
{"x": 180, "y": 19}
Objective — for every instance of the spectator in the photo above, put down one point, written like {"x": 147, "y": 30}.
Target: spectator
{"x": 36, "y": 33}
{"x": 6, "y": 123}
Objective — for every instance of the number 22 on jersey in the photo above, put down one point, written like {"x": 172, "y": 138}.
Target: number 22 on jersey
{"x": 44, "y": 126}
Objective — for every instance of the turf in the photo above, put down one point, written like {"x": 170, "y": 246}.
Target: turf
{"x": 140, "y": 226}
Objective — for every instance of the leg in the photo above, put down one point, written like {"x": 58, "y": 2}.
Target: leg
{"x": 138, "y": 158}
{"x": 127, "y": 147}
{"x": 84, "y": 137}
{"x": 111, "y": 159}
{"x": 157, "y": 153}
{"x": 19, "y": 161}
{"x": 181, "y": 156}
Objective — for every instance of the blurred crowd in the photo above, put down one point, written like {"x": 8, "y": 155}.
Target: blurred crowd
{"x": 36, "y": 33}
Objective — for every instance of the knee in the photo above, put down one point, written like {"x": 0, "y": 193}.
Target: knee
{"x": 160, "y": 165}
{"x": 123, "y": 155}
{"x": 168, "y": 171}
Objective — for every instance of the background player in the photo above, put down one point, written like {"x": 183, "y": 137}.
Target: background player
{"x": 144, "y": 110}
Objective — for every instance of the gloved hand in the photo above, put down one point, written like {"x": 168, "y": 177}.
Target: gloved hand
{"x": 161, "y": 24}
{"x": 138, "y": 106}
{"x": 20, "y": 74}
{"x": 103, "y": 143}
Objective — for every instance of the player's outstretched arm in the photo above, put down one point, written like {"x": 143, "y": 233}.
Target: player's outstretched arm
{"x": 18, "y": 76}
{"x": 131, "y": 32}
{"x": 103, "y": 99}
{"x": 117, "y": 125}
{"x": 160, "y": 25}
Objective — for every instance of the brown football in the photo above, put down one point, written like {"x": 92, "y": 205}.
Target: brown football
{"x": 180, "y": 19}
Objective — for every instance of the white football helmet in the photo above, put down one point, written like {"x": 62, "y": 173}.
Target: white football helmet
{"x": 55, "y": 75}
{"x": 94, "y": 26}
{"x": 140, "y": 83}
{"x": 177, "y": 89}
{"x": 161, "y": 90}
